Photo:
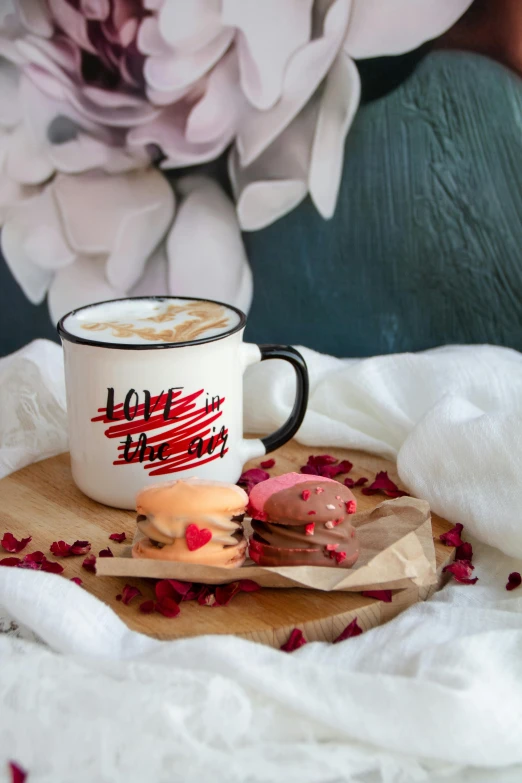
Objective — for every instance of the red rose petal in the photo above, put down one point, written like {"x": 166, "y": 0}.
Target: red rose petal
{"x": 249, "y": 586}
{"x": 10, "y": 562}
{"x": 267, "y": 464}
{"x": 12, "y": 544}
{"x": 206, "y": 596}
{"x": 76, "y": 580}
{"x": 90, "y": 563}
{"x": 35, "y": 557}
{"x": 51, "y": 568}
{"x": 382, "y": 595}
{"x": 225, "y": 593}
{"x": 309, "y": 470}
{"x": 60, "y": 549}
{"x": 295, "y": 641}
{"x": 452, "y": 537}
{"x": 119, "y": 537}
{"x": 105, "y": 553}
{"x": 351, "y": 506}
{"x": 165, "y": 589}
{"x": 461, "y": 571}
{"x": 384, "y": 484}
{"x": 305, "y": 494}
{"x": 331, "y": 471}
{"x": 147, "y": 607}
{"x": 180, "y": 590}
{"x": 18, "y": 775}
{"x": 310, "y": 529}
{"x": 350, "y": 483}
{"x": 251, "y": 477}
{"x": 128, "y": 593}
{"x": 197, "y": 537}
{"x": 167, "y": 607}
{"x": 352, "y": 629}
{"x": 464, "y": 552}
{"x": 80, "y": 548}
{"x": 514, "y": 581}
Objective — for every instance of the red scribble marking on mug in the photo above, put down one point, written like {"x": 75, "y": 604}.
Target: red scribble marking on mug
{"x": 192, "y": 441}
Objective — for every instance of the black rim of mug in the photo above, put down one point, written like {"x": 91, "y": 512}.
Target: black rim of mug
{"x": 72, "y": 338}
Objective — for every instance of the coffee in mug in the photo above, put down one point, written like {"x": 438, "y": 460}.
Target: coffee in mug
{"x": 155, "y": 393}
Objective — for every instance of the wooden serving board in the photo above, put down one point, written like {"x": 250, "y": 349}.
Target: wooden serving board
{"x": 42, "y": 501}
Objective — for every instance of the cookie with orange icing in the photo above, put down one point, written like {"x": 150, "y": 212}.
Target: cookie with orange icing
{"x": 192, "y": 521}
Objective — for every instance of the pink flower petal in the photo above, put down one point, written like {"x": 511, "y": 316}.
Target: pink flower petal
{"x": 76, "y": 580}
{"x": 514, "y": 581}
{"x": 12, "y": 544}
{"x": 60, "y": 549}
{"x": 353, "y": 629}
{"x": 119, "y": 537}
{"x": 452, "y": 537}
{"x": 295, "y": 641}
{"x": 267, "y": 464}
{"x": 461, "y": 571}
{"x": 10, "y": 562}
{"x": 52, "y": 568}
{"x": 80, "y": 548}
{"x": 90, "y": 563}
{"x": 382, "y": 595}
{"x": 464, "y": 552}
{"x": 167, "y": 607}
{"x": 105, "y": 553}
{"x": 147, "y": 607}
{"x": 385, "y": 485}
{"x": 128, "y": 593}
{"x": 18, "y": 774}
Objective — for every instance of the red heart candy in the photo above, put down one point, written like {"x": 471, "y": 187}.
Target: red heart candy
{"x": 197, "y": 538}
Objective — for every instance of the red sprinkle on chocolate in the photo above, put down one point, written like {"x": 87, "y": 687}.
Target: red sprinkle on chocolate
{"x": 311, "y": 513}
{"x": 76, "y": 580}
{"x": 350, "y": 483}
{"x": 12, "y": 544}
{"x": 464, "y": 552}
{"x": 318, "y": 490}
{"x": 90, "y": 563}
{"x": 267, "y": 464}
{"x": 461, "y": 571}
{"x": 331, "y": 547}
{"x": 197, "y": 537}
{"x": 250, "y": 478}
{"x": 167, "y": 607}
{"x": 60, "y": 549}
{"x": 80, "y": 548}
{"x": 119, "y": 537}
{"x": 147, "y": 607}
{"x": 10, "y": 562}
{"x": 340, "y": 556}
{"x": 352, "y": 629}
{"x": 452, "y": 537}
{"x": 295, "y": 641}
{"x": 310, "y": 529}
{"x": 514, "y": 581}
{"x": 305, "y": 494}
{"x": 351, "y": 506}
{"x": 105, "y": 553}
{"x": 384, "y": 484}
{"x": 18, "y": 775}
{"x": 128, "y": 593}
{"x": 382, "y": 595}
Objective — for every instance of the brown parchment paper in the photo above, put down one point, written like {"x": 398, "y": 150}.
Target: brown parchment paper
{"x": 396, "y": 551}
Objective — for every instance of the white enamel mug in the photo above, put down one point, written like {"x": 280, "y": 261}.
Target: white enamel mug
{"x": 144, "y": 413}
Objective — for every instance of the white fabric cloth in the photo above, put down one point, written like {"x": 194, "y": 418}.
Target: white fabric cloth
{"x": 436, "y": 694}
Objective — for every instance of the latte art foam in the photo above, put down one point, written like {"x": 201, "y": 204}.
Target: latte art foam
{"x": 149, "y": 321}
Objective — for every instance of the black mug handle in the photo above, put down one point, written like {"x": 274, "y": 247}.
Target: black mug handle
{"x": 290, "y": 427}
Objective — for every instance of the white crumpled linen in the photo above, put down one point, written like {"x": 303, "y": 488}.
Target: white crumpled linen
{"x": 435, "y": 694}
